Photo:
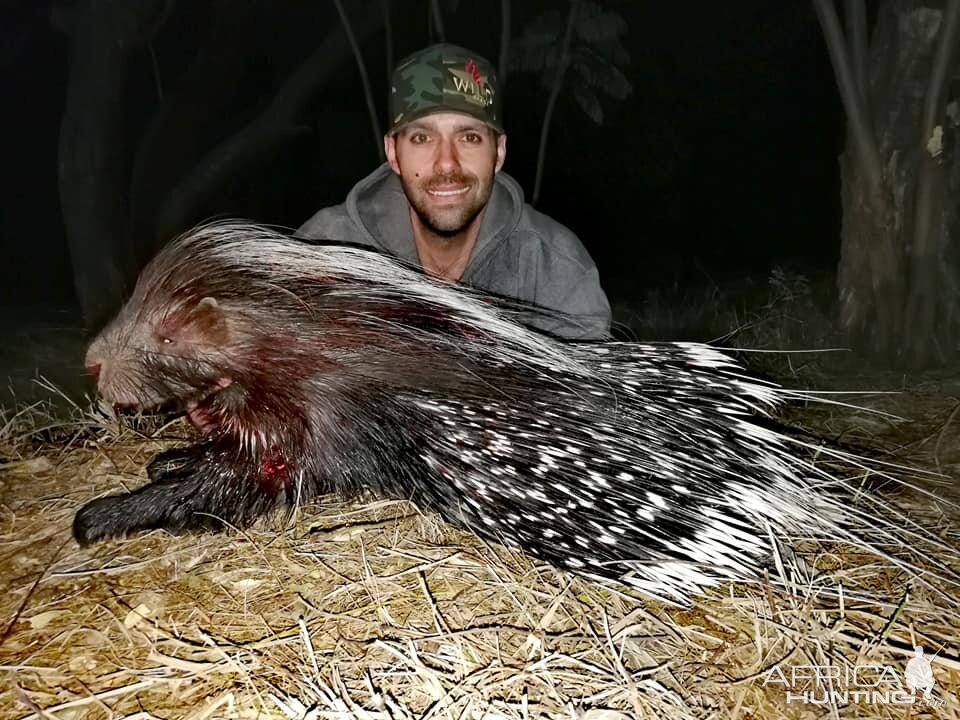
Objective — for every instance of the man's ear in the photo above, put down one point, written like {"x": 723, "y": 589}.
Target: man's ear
{"x": 501, "y": 150}
{"x": 390, "y": 150}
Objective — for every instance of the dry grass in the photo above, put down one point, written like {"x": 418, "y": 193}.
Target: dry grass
{"x": 376, "y": 611}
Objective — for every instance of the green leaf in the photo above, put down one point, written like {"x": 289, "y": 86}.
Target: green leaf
{"x": 615, "y": 52}
{"x": 587, "y": 100}
{"x": 529, "y": 52}
{"x": 595, "y": 53}
{"x": 600, "y": 74}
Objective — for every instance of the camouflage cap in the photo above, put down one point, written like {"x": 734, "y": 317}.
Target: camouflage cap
{"x": 444, "y": 78}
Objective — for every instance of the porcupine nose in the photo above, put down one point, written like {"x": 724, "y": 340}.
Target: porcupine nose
{"x": 93, "y": 370}
{"x": 93, "y": 361}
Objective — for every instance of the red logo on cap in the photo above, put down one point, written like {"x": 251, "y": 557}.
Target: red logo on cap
{"x": 471, "y": 68}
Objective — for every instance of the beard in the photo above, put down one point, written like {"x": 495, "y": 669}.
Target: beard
{"x": 448, "y": 221}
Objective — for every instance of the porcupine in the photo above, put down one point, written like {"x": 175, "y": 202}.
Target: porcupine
{"x": 318, "y": 369}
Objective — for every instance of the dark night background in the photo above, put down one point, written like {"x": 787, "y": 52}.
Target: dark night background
{"x": 720, "y": 166}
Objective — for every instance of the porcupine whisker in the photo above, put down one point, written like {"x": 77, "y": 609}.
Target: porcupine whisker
{"x": 874, "y": 540}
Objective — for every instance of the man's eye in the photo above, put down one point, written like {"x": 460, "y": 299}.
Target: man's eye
{"x": 473, "y": 137}
{"x": 419, "y": 138}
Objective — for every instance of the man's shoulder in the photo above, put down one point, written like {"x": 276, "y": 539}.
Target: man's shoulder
{"x": 346, "y": 220}
{"x": 329, "y": 223}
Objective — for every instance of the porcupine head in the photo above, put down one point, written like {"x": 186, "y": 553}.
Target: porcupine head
{"x": 191, "y": 340}
{"x": 153, "y": 354}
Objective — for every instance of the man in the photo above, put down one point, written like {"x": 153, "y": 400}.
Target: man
{"x": 441, "y": 202}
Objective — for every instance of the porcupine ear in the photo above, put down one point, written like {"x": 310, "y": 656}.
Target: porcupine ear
{"x": 202, "y": 324}
{"x": 209, "y": 320}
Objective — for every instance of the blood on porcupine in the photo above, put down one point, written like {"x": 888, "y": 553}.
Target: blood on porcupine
{"x": 316, "y": 369}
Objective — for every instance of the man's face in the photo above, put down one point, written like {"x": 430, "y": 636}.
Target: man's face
{"x": 446, "y": 163}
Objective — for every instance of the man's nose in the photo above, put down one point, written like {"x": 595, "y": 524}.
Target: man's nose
{"x": 447, "y": 160}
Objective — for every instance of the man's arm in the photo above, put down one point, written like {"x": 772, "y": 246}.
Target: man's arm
{"x": 567, "y": 281}
{"x": 589, "y": 306}
{"x": 584, "y": 311}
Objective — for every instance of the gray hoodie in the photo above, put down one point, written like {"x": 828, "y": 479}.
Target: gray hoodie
{"x": 520, "y": 253}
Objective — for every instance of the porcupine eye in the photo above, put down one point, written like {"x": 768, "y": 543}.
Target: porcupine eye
{"x": 164, "y": 335}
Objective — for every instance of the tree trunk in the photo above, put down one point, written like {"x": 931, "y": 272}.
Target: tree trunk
{"x": 388, "y": 42}
{"x": 930, "y": 212}
{"x": 91, "y": 171}
{"x": 870, "y": 275}
{"x": 364, "y": 79}
{"x": 552, "y": 101}
{"x": 503, "y": 62}
{"x": 898, "y": 272}
{"x": 186, "y": 119}
{"x": 437, "y": 19}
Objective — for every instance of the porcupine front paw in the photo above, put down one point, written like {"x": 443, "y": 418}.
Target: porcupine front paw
{"x": 100, "y": 520}
{"x": 161, "y": 504}
{"x": 177, "y": 506}
{"x": 199, "y": 487}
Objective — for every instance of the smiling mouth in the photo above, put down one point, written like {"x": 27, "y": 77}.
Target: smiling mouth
{"x": 449, "y": 193}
